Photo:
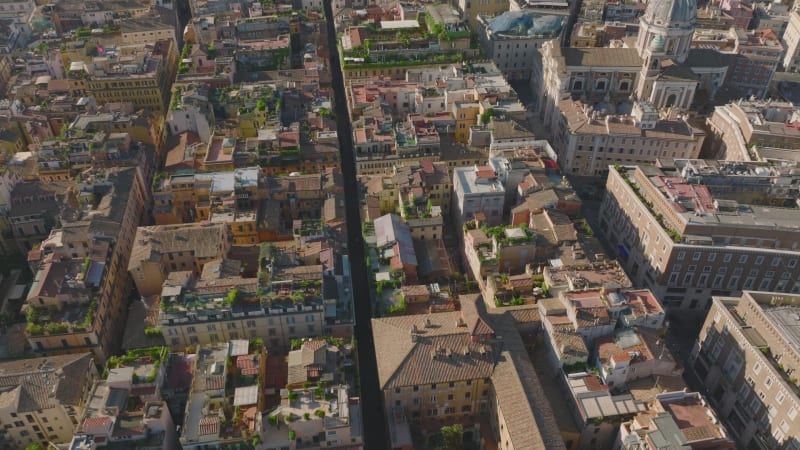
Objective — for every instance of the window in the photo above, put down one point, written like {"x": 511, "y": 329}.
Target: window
{"x": 742, "y": 259}
{"x": 696, "y": 256}
{"x": 433, "y": 399}
{"x": 681, "y": 255}
{"x": 759, "y": 260}
{"x": 727, "y": 258}
{"x": 433, "y": 386}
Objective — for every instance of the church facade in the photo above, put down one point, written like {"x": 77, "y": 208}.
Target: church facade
{"x": 659, "y": 67}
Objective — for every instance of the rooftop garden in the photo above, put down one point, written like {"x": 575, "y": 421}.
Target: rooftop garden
{"x": 141, "y": 358}
{"x": 675, "y": 235}
{"x": 192, "y": 301}
{"x": 443, "y": 32}
{"x": 297, "y": 292}
{"x": 310, "y": 227}
{"x": 70, "y": 319}
{"x": 508, "y": 293}
{"x": 501, "y": 235}
{"x": 391, "y": 60}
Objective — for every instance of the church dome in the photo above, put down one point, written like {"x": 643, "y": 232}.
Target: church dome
{"x": 657, "y": 44}
{"x": 671, "y": 13}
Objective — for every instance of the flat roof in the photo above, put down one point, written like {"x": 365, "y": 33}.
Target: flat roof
{"x": 247, "y": 395}
{"x": 468, "y": 179}
{"x": 787, "y": 320}
{"x": 399, "y": 24}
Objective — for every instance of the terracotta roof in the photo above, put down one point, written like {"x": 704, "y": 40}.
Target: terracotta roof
{"x": 530, "y": 423}
{"x": 209, "y": 426}
{"x": 97, "y": 422}
{"x": 247, "y": 364}
{"x": 37, "y": 378}
{"x": 441, "y": 351}
{"x": 214, "y": 382}
{"x": 204, "y": 239}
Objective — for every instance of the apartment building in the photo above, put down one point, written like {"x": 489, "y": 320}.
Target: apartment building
{"x": 218, "y": 390}
{"x": 628, "y": 354}
{"x": 327, "y": 411}
{"x": 195, "y": 197}
{"x": 741, "y": 12}
{"x": 78, "y": 301}
{"x": 747, "y": 358}
{"x": 162, "y": 249}
{"x": 447, "y": 366}
{"x": 127, "y": 404}
{"x": 35, "y": 207}
{"x": 679, "y": 420}
{"x": 145, "y": 80}
{"x": 691, "y": 229}
{"x": 590, "y": 138}
{"x": 758, "y": 54}
{"x": 420, "y": 187}
{"x": 477, "y": 190}
{"x": 232, "y": 309}
{"x": 772, "y": 16}
{"x": 42, "y": 399}
{"x": 791, "y": 42}
{"x": 749, "y": 130}
{"x": 145, "y": 30}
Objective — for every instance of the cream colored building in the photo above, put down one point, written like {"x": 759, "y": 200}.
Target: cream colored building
{"x": 159, "y": 250}
{"x": 145, "y": 31}
{"x": 42, "y": 399}
{"x": 747, "y": 358}
{"x": 691, "y": 229}
{"x": 791, "y": 41}
{"x": 755, "y": 131}
{"x": 445, "y": 366}
{"x": 588, "y": 139}
{"x": 82, "y": 283}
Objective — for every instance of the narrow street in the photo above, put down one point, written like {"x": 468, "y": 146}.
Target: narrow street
{"x": 375, "y": 427}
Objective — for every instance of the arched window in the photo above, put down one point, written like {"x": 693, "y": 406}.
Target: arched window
{"x": 671, "y": 100}
{"x": 624, "y": 86}
{"x": 577, "y": 85}
{"x": 654, "y": 64}
{"x": 600, "y": 85}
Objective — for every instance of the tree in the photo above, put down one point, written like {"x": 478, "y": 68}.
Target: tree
{"x": 35, "y": 447}
{"x": 451, "y": 437}
{"x": 486, "y": 117}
